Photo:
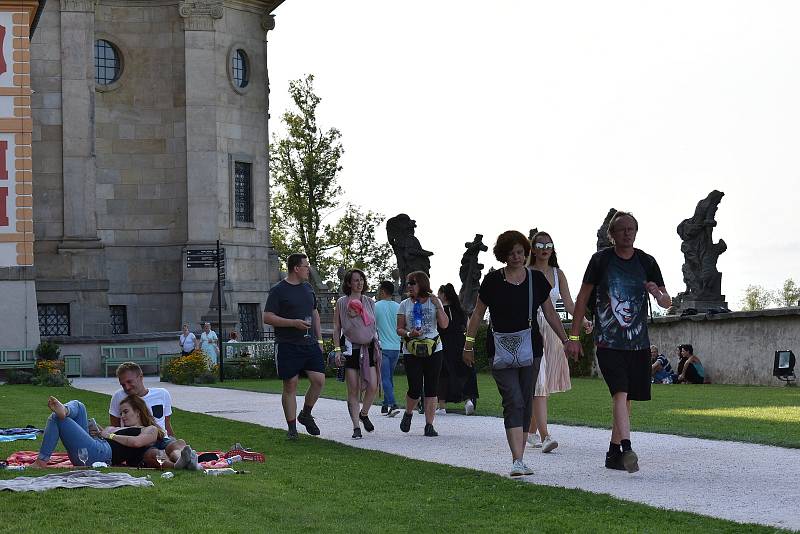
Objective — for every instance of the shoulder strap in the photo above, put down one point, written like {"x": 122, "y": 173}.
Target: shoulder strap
{"x": 530, "y": 297}
{"x": 555, "y": 281}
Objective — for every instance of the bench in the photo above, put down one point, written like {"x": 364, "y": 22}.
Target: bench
{"x": 144, "y": 355}
{"x": 17, "y": 359}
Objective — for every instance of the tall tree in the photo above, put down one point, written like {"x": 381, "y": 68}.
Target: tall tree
{"x": 304, "y": 167}
{"x": 355, "y": 238}
{"x": 756, "y": 298}
{"x": 789, "y": 294}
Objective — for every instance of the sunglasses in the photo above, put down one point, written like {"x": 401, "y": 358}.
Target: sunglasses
{"x": 411, "y": 283}
{"x": 543, "y": 246}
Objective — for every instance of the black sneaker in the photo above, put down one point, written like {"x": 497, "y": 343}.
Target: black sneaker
{"x": 405, "y": 424}
{"x": 430, "y": 431}
{"x": 384, "y": 410}
{"x": 357, "y": 433}
{"x": 368, "y": 426}
{"x": 291, "y": 435}
{"x": 630, "y": 461}
{"x": 614, "y": 461}
{"x": 307, "y": 420}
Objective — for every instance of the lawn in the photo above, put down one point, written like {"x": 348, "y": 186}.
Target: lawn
{"x": 312, "y": 485}
{"x": 767, "y": 415}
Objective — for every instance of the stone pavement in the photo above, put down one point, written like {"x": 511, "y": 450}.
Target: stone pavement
{"x": 730, "y": 480}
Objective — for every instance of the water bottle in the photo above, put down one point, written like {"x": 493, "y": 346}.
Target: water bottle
{"x": 233, "y": 459}
{"x": 418, "y": 315}
{"x": 15, "y": 468}
{"x": 168, "y": 475}
{"x": 93, "y": 428}
{"x": 218, "y": 472}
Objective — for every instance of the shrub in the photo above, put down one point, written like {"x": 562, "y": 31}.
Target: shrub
{"x": 54, "y": 379}
{"x": 265, "y": 363}
{"x": 209, "y": 377}
{"x": 48, "y": 351}
{"x": 18, "y": 376}
{"x": 186, "y": 369}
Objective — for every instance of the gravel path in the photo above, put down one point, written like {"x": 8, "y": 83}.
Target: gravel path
{"x": 730, "y": 480}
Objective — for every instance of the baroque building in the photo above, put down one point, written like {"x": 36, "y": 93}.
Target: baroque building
{"x": 149, "y": 138}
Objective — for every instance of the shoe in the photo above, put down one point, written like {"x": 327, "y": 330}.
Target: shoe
{"x": 291, "y": 435}
{"x": 549, "y": 444}
{"x": 533, "y": 441}
{"x": 469, "y": 407}
{"x": 405, "y": 424}
{"x": 384, "y": 410}
{"x": 614, "y": 461}
{"x": 368, "y": 426}
{"x": 440, "y": 411}
{"x": 519, "y": 469}
{"x": 393, "y": 411}
{"x": 307, "y": 420}
{"x": 430, "y": 431}
{"x": 357, "y": 433}
{"x": 630, "y": 461}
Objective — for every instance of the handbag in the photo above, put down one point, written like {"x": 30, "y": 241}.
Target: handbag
{"x": 515, "y": 349}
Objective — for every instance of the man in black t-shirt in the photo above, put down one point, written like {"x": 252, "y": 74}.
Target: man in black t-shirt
{"x": 623, "y": 277}
{"x": 291, "y": 309}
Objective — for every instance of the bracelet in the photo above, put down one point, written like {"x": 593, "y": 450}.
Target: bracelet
{"x": 469, "y": 350}
{"x": 574, "y": 338}
{"x": 112, "y": 436}
{"x": 320, "y": 342}
{"x": 337, "y": 349}
{"x": 470, "y": 339}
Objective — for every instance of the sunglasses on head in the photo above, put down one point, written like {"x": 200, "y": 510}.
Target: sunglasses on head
{"x": 543, "y": 246}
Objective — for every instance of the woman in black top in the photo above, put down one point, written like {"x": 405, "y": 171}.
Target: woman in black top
{"x": 505, "y": 293}
{"x": 454, "y": 372}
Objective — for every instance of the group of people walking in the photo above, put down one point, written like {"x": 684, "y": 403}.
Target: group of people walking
{"x": 528, "y": 345}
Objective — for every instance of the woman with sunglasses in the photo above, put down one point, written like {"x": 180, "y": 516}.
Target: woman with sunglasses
{"x": 554, "y": 370}
{"x": 418, "y": 320}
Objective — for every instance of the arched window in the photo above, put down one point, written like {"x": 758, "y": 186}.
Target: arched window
{"x": 240, "y": 68}
{"x": 107, "y": 62}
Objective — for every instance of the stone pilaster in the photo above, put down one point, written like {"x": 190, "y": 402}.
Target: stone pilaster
{"x": 199, "y": 15}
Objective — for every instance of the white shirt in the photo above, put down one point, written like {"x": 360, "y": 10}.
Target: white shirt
{"x": 158, "y": 400}
{"x": 187, "y": 342}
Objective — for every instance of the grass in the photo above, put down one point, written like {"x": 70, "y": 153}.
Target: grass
{"x": 753, "y": 414}
{"x": 313, "y": 485}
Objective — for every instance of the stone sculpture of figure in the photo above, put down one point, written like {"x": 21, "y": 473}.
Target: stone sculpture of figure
{"x": 410, "y": 254}
{"x": 700, "y": 253}
{"x": 470, "y": 273}
{"x": 602, "y": 233}
{"x": 532, "y": 232}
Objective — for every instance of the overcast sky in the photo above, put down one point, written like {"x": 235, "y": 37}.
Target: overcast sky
{"x": 477, "y": 117}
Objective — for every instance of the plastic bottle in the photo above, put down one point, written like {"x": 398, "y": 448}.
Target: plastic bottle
{"x": 234, "y": 459}
{"x": 418, "y": 315}
{"x": 223, "y": 471}
{"x": 168, "y": 475}
{"x": 15, "y": 468}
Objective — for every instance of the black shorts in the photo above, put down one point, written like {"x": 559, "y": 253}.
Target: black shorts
{"x": 626, "y": 370}
{"x": 353, "y": 361}
{"x": 290, "y": 359}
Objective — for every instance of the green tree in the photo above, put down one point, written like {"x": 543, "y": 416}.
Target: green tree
{"x": 357, "y": 245}
{"x": 304, "y": 166}
{"x": 756, "y": 298}
{"x": 789, "y": 294}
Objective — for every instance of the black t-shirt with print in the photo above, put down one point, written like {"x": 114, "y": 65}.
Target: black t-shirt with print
{"x": 621, "y": 297}
{"x": 508, "y": 303}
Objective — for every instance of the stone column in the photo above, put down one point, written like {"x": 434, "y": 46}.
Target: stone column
{"x": 77, "y": 98}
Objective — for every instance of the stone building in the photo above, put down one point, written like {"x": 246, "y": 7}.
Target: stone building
{"x": 149, "y": 138}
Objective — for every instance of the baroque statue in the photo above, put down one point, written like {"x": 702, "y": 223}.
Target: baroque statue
{"x": 470, "y": 273}
{"x": 410, "y": 254}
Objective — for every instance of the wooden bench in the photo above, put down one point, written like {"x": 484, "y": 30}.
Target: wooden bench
{"x": 144, "y": 355}
{"x": 17, "y": 359}
{"x": 72, "y": 365}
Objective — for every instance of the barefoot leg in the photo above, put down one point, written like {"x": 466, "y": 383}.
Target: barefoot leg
{"x": 57, "y": 408}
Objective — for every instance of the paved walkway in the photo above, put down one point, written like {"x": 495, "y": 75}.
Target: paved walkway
{"x": 736, "y": 481}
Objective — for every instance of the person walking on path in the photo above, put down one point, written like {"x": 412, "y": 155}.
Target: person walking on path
{"x": 512, "y": 295}
{"x": 209, "y": 343}
{"x": 187, "y": 340}
{"x": 291, "y": 309}
{"x": 417, "y": 319}
{"x": 386, "y": 317}
{"x": 620, "y": 278}
{"x": 354, "y": 321}
{"x": 454, "y": 372}
{"x": 554, "y": 370}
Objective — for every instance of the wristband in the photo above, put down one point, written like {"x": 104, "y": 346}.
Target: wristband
{"x": 574, "y": 338}
{"x": 337, "y": 349}
{"x": 320, "y": 342}
{"x": 112, "y": 436}
{"x": 470, "y": 339}
{"x": 469, "y": 350}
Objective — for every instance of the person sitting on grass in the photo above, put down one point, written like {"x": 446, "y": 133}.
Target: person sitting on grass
{"x": 660, "y": 368}
{"x": 121, "y": 446}
{"x": 690, "y": 370}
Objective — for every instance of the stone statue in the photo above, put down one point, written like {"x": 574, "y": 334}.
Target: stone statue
{"x": 470, "y": 273}
{"x": 532, "y": 232}
{"x": 703, "y": 280}
{"x": 602, "y": 233}
{"x": 410, "y": 254}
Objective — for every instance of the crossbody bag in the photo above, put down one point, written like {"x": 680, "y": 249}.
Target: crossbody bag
{"x": 515, "y": 349}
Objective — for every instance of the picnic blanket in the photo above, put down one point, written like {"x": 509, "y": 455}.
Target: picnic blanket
{"x": 25, "y": 430}
{"x": 74, "y": 479}
{"x": 15, "y": 437}
{"x": 61, "y": 460}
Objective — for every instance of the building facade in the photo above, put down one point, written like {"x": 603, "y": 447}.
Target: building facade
{"x": 149, "y": 137}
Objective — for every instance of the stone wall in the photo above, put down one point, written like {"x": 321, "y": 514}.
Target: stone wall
{"x": 735, "y": 348}
{"x": 88, "y": 348}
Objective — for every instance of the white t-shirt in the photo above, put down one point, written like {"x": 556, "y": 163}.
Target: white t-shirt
{"x": 187, "y": 342}
{"x": 429, "y": 322}
{"x": 157, "y": 399}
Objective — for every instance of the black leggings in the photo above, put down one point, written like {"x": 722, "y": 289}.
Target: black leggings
{"x": 419, "y": 368}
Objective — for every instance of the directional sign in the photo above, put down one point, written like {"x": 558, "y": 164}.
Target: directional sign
{"x": 205, "y": 252}
{"x": 201, "y": 264}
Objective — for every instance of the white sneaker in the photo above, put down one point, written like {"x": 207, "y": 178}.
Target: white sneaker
{"x": 469, "y": 407}
{"x": 519, "y": 469}
{"x": 441, "y": 411}
{"x": 548, "y": 444}
{"x": 533, "y": 441}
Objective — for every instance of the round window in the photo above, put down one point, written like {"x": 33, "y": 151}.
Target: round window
{"x": 240, "y": 68}
{"x": 107, "y": 64}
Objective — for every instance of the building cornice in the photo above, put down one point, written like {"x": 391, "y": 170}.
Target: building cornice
{"x": 199, "y": 15}
{"x": 81, "y": 6}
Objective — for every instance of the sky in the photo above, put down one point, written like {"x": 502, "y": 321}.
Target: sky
{"x": 479, "y": 117}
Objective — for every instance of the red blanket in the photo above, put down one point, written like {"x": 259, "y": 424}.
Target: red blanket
{"x": 60, "y": 459}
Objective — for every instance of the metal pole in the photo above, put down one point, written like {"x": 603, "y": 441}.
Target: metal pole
{"x": 219, "y": 317}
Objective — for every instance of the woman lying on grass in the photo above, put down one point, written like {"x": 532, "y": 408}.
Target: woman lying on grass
{"x": 125, "y": 445}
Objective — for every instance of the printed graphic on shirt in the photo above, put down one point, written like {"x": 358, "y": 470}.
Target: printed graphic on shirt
{"x": 622, "y": 307}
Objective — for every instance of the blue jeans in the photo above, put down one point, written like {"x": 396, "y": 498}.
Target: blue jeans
{"x": 74, "y": 434}
{"x": 388, "y": 363}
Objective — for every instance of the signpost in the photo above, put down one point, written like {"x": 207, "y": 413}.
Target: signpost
{"x": 206, "y": 259}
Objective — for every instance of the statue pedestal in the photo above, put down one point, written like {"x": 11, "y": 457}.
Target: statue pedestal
{"x": 702, "y": 306}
